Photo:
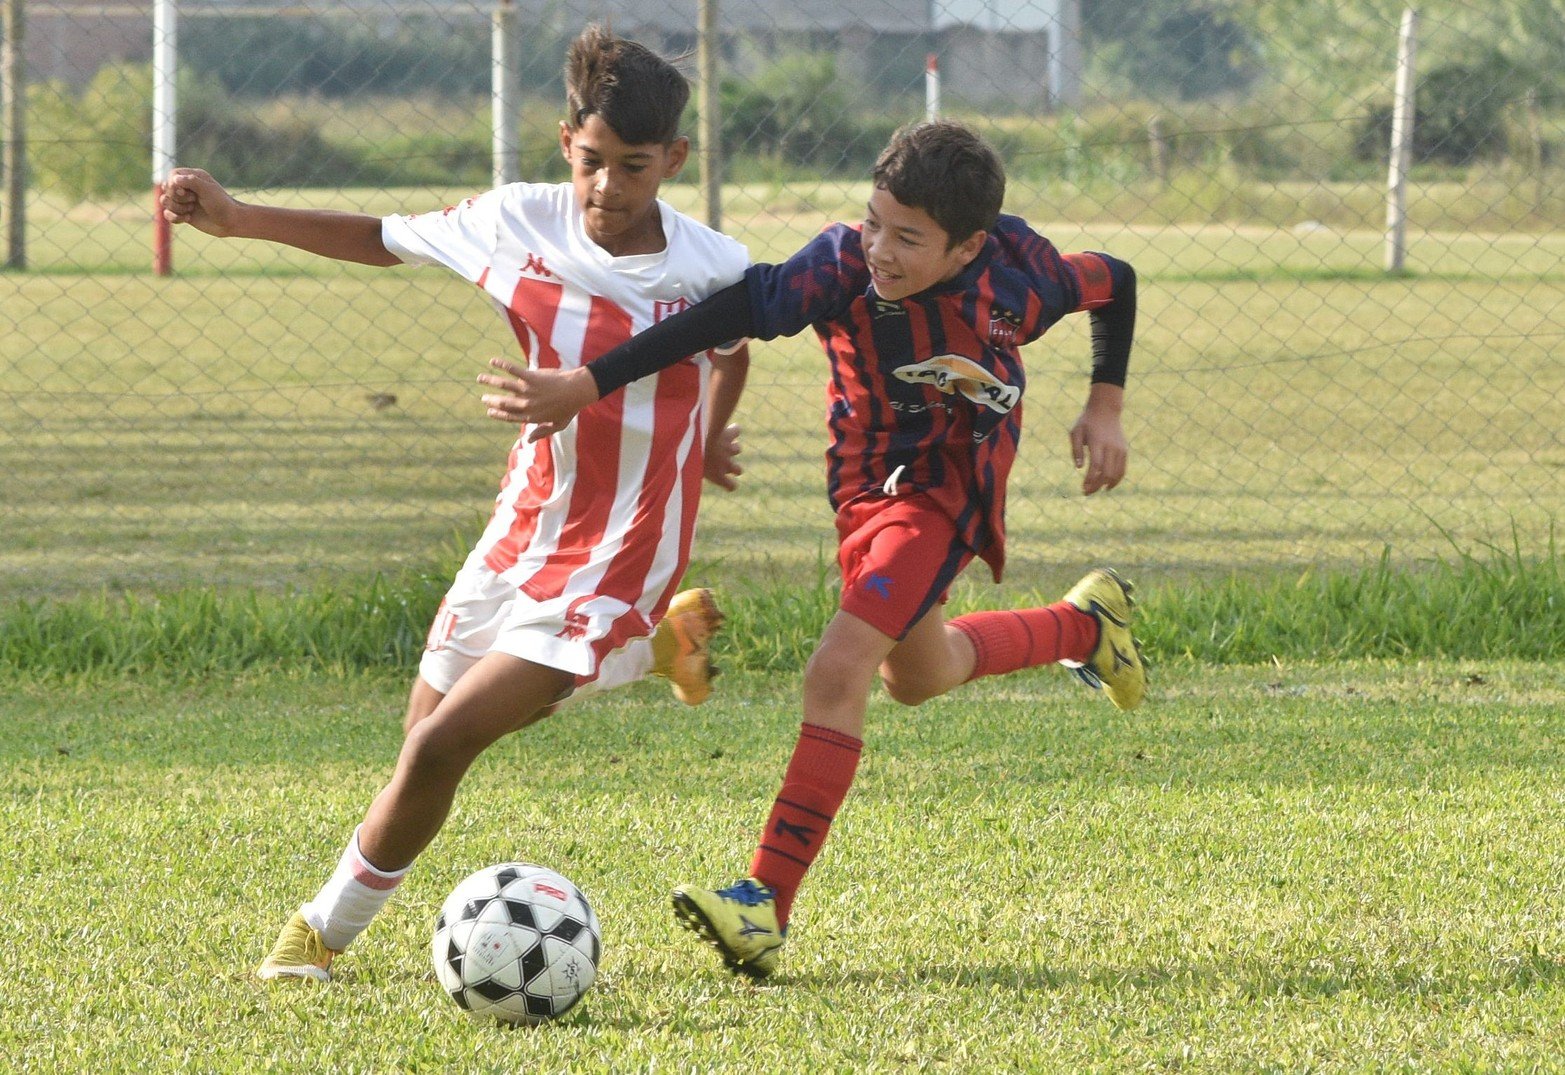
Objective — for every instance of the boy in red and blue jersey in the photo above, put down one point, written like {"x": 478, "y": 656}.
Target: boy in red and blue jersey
{"x": 922, "y": 310}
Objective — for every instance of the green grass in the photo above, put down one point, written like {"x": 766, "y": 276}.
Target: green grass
{"x": 1290, "y": 405}
{"x": 1492, "y": 604}
{"x": 1349, "y": 867}
{"x": 1301, "y": 854}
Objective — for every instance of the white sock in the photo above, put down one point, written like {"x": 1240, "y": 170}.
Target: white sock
{"x": 348, "y": 902}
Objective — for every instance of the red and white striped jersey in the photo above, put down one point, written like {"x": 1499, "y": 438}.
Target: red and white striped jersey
{"x": 605, "y": 510}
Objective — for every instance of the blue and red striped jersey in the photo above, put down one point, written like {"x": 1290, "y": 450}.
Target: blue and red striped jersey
{"x": 928, "y": 388}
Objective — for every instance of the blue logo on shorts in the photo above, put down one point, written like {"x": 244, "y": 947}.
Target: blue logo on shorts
{"x": 878, "y": 584}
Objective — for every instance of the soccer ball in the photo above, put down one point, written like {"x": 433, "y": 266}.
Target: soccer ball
{"x": 516, "y": 942}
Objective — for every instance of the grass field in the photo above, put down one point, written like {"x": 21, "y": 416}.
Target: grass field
{"x": 1289, "y": 403}
{"x": 1290, "y": 867}
{"x": 1328, "y": 843}
{"x": 1291, "y": 859}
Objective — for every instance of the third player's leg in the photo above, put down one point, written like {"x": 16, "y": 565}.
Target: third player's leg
{"x": 498, "y": 695}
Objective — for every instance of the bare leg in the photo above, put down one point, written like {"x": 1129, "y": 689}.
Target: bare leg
{"x": 422, "y": 700}
{"x": 496, "y": 696}
{"x": 841, "y": 670}
{"x": 932, "y": 659}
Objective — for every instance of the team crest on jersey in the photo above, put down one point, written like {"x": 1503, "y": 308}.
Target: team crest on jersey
{"x": 661, "y": 309}
{"x": 953, "y": 373}
{"x": 536, "y": 267}
{"x": 1003, "y": 327}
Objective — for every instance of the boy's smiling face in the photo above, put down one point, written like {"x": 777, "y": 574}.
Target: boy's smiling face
{"x": 616, "y": 184}
{"x": 907, "y": 251}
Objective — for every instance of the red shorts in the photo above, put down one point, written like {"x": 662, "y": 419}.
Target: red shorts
{"x": 898, "y": 557}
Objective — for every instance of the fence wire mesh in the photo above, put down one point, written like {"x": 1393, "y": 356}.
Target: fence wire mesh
{"x": 260, "y": 417}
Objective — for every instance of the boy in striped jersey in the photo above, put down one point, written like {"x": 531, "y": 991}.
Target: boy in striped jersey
{"x": 568, "y": 587}
{"x": 921, "y": 310}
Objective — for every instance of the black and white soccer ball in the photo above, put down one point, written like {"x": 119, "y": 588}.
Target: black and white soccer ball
{"x": 516, "y": 942}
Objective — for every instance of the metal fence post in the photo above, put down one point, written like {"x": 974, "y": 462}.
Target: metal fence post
{"x": 15, "y": 106}
{"x": 505, "y": 91}
{"x": 1401, "y": 144}
{"x": 709, "y": 153}
{"x": 931, "y": 87}
{"x": 165, "y": 59}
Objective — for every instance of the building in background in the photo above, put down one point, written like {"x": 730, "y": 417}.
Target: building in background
{"x": 1018, "y": 52}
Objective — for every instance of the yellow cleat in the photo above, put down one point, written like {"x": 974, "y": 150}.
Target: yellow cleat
{"x": 1116, "y": 665}
{"x": 739, "y": 921}
{"x": 299, "y": 953}
{"x": 679, "y": 644}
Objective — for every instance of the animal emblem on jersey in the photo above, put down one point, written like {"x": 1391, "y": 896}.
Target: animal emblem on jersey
{"x": 953, "y": 373}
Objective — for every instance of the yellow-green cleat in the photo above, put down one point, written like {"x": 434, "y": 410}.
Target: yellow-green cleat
{"x": 740, "y": 921}
{"x": 680, "y": 644}
{"x": 299, "y": 953}
{"x": 1116, "y": 665}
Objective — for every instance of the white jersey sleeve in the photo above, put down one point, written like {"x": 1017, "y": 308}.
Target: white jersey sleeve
{"x": 462, "y": 237}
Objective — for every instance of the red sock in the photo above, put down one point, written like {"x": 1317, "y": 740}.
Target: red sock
{"x": 817, "y": 780}
{"x": 1025, "y": 638}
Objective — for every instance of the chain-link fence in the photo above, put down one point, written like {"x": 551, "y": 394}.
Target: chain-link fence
{"x": 262, "y": 417}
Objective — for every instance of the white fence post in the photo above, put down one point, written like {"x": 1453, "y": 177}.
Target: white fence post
{"x": 504, "y": 94}
{"x": 931, "y": 87}
{"x": 165, "y": 63}
{"x": 14, "y": 78}
{"x": 709, "y": 150}
{"x": 1402, "y": 117}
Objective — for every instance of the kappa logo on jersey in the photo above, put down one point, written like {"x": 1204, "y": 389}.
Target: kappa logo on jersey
{"x": 1003, "y": 327}
{"x": 661, "y": 309}
{"x": 448, "y": 210}
{"x": 536, "y": 266}
{"x": 575, "y": 628}
{"x": 953, "y": 373}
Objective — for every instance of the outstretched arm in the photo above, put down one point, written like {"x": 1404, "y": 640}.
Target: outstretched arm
{"x": 191, "y": 196}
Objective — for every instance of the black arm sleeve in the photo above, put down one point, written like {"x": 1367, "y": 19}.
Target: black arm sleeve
{"x": 1114, "y": 326}
{"x": 718, "y": 319}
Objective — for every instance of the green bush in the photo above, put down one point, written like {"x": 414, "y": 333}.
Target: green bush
{"x": 796, "y": 115}
{"x": 98, "y": 142}
{"x": 1460, "y": 116}
{"x": 95, "y": 142}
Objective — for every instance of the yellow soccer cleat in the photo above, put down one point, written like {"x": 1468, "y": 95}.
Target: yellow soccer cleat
{"x": 299, "y": 953}
{"x": 679, "y": 644}
{"x": 739, "y": 921}
{"x": 1116, "y": 665}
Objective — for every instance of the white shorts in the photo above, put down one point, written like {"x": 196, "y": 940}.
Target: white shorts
{"x": 601, "y": 640}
